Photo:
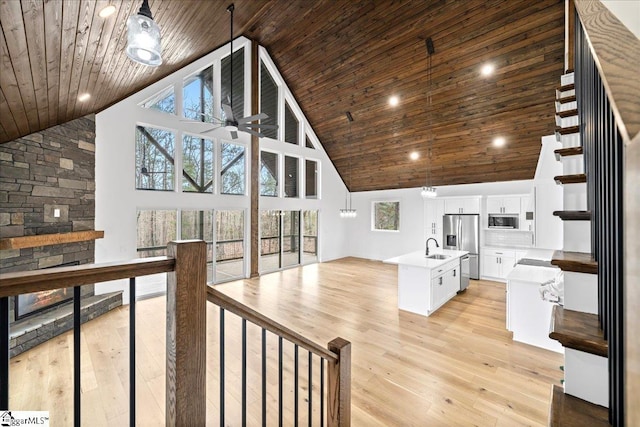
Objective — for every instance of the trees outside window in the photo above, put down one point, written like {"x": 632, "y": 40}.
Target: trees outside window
{"x": 232, "y": 172}
{"x": 386, "y": 216}
{"x": 154, "y": 159}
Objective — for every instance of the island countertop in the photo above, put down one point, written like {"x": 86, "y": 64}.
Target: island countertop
{"x": 418, "y": 258}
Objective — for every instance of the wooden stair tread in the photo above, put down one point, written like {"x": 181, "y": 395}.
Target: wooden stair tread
{"x": 571, "y": 179}
{"x": 566, "y": 87}
{"x": 578, "y": 262}
{"x": 578, "y": 330}
{"x": 567, "y": 113}
{"x": 570, "y": 151}
{"x": 573, "y": 215}
{"x": 568, "y": 130}
{"x": 566, "y": 99}
{"x": 570, "y": 411}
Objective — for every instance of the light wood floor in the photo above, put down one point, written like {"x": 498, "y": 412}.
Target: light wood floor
{"x": 456, "y": 367}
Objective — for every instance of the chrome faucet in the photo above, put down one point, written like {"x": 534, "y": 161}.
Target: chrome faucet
{"x": 437, "y": 246}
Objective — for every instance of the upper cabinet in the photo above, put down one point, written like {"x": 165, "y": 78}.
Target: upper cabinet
{"x": 434, "y": 209}
{"x": 462, "y": 205}
{"x": 503, "y": 205}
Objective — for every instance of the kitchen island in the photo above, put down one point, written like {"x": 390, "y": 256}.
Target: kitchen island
{"x": 426, "y": 283}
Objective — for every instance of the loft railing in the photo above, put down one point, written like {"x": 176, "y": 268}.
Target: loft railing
{"x": 337, "y": 356}
{"x": 608, "y": 95}
{"x": 187, "y": 294}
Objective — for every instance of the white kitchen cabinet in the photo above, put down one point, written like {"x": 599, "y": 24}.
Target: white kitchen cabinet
{"x": 462, "y": 205}
{"x": 526, "y": 205}
{"x": 497, "y": 264}
{"x": 445, "y": 284}
{"x": 433, "y": 211}
{"x": 503, "y": 205}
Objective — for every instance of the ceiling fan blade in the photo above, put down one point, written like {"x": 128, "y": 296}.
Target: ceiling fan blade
{"x": 234, "y": 134}
{"x": 257, "y": 125}
{"x": 253, "y": 118}
{"x": 211, "y": 129}
{"x": 228, "y": 112}
{"x": 252, "y": 132}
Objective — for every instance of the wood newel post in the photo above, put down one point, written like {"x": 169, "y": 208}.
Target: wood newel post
{"x": 339, "y": 389}
{"x": 186, "y": 334}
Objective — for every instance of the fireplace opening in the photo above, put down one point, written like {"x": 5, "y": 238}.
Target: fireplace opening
{"x": 36, "y": 302}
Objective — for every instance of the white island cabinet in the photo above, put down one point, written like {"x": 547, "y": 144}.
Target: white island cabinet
{"x": 425, "y": 284}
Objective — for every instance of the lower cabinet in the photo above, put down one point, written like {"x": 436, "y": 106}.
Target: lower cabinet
{"x": 423, "y": 291}
{"x": 497, "y": 264}
{"x": 444, "y": 285}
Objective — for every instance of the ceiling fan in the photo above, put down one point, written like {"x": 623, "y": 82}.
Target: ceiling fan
{"x": 229, "y": 121}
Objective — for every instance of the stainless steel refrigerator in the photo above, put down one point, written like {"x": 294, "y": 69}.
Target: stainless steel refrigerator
{"x": 462, "y": 233}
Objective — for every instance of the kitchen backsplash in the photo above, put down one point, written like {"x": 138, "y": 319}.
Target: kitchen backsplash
{"x": 508, "y": 238}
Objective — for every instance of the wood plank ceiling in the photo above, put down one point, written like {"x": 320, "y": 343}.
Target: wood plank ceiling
{"x": 336, "y": 56}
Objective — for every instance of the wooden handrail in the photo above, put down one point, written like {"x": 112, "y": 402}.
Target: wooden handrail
{"x": 61, "y": 277}
{"x": 616, "y": 52}
{"x": 226, "y": 302}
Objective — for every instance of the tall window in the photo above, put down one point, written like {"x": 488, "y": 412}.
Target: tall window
{"x": 164, "y": 101}
{"x": 268, "y": 174}
{"x": 155, "y": 228}
{"x": 197, "y": 96}
{"x": 268, "y": 101}
{"x": 238, "y": 82}
{"x": 291, "y": 176}
{"x": 197, "y": 164}
{"x": 199, "y": 225}
{"x": 269, "y": 240}
{"x": 311, "y": 179}
{"x": 154, "y": 159}
{"x": 386, "y": 216}
{"x": 229, "y": 245}
{"x": 310, "y": 236}
{"x": 291, "y": 124}
{"x": 232, "y": 172}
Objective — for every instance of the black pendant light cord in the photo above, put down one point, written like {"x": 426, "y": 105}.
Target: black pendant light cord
{"x": 230, "y": 10}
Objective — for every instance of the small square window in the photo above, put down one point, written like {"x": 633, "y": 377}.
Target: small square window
{"x": 386, "y": 216}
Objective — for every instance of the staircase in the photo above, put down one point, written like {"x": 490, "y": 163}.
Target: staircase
{"x": 576, "y": 325}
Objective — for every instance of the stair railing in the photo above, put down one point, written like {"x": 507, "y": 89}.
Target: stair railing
{"x": 607, "y": 56}
{"x": 187, "y": 295}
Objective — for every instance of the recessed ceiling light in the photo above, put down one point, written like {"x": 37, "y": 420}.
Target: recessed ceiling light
{"x": 84, "y": 97}
{"x": 107, "y": 11}
{"x": 414, "y": 155}
{"x": 499, "y": 141}
{"x": 394, "y": 100}
{"x": 487, "y": 69}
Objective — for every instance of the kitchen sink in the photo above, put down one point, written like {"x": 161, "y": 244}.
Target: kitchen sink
{"x": 438, "y": 256}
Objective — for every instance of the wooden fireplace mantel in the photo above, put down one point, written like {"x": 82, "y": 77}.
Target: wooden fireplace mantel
{"x": 23, "y": 242}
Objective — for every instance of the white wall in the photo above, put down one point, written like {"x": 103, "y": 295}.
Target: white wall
{"x": 627, "y": 11}
{"x": 380, "y": 245}
{"x": 117, "y": 200}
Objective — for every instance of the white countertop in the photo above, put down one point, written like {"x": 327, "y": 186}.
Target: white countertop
{"x": 418, "y": 259}
{"x": 532, "y": 273}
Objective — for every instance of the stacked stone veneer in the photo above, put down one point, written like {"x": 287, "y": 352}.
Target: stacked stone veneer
{"x": 47, "y": 186}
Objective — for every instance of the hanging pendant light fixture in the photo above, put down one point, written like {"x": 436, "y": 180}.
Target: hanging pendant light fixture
{"x": 143, "y": 37}
{"x": 348, "y": 211}
{"x": 429, "y": 191}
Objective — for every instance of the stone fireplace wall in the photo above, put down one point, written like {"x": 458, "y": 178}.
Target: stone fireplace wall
{"x": 47, "y": 186}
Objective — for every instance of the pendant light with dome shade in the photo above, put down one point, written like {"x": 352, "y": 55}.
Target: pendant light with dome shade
{"x": 429, "y": 191}
{"x": 348, "y": 211}
{"x": 143, "y": 37}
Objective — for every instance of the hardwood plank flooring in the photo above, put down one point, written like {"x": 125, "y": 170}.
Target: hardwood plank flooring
{"x": 456, "y": 367}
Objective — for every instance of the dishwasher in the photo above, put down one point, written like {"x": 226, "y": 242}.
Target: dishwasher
{"x": 464, "y": 272}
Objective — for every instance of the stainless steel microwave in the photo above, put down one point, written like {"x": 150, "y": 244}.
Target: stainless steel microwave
{"x": 503, "y": 221}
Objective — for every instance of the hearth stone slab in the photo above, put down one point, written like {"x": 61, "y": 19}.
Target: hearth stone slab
{"x": 28, "y": 333}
